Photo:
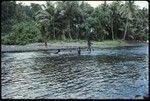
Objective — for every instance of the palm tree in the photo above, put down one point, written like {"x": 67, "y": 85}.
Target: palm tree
{"x": 69, "y": 12}
{"x": 114, "y": 18}
{"x": 52, "y": 11}
{"x": 86, "y": 10}
{"x": 43, "y": 18}
{"x": 46, "y": 19}
{"x": 127, "y": 10}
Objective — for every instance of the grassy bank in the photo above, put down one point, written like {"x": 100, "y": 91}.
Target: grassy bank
{"x": 81, "y": 43}
{"x": 103, "y": 44}
{"x": 111, "y": 43}
{"x": 68, "y": 44}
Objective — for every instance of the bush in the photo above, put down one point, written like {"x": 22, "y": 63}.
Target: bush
{"x": 23, "y": 33}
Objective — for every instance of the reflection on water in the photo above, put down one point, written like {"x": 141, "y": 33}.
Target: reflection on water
{"x": 103, "y": 74}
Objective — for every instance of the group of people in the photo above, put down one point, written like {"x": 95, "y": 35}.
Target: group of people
{"x": 88, "y": 49}
{"x": 79, "y": 49}
{"x": 88, "y": 44}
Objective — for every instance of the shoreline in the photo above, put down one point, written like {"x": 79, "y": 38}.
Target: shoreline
{"x": 54, "y": 46}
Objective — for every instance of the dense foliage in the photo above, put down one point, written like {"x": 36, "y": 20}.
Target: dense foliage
{"x": 63, "y": 20}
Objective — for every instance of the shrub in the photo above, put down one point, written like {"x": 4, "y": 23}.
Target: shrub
{"x": 23, "y": 33}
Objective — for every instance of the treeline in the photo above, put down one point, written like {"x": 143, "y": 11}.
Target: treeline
{"x": 69, "y": 20}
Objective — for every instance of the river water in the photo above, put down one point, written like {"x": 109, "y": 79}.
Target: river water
{"x": 102, "y": 74}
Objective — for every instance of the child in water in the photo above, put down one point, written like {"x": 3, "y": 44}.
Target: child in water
{"x": 79, "y": 51}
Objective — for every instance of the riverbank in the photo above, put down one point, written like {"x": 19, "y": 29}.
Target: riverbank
{"x": 63, "y": 45}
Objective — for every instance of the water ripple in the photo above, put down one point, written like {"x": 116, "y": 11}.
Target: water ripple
{"x": 104, "y": 74}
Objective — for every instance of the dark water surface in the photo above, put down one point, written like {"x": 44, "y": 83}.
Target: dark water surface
{"x": 103, "y": 74}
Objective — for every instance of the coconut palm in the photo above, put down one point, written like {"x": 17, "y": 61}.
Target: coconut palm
{"x": 127, "y": 11}
{"x": 50, "y": 8}
{"x": 114, "y": 18}
{"x": 70, "y": 13}
{"x": 43, "y": 19}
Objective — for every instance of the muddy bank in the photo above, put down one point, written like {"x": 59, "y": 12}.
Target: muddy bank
{"x": 39, "y": 47}
{"x": 53, "y": 46}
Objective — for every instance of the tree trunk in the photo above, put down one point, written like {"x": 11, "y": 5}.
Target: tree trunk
{"x": 96, "y": 35}
{"x": 69, "y": 29}
{"x": 78, "y": 35}
{"x": 54, "y": 34}
{"x": 112, "y": 31}
{"x": 105, "y": 3}
{"x": 63, "y": 35}
{"x": 54, "y": 31}
{"x": 45, "y": 41}
{"x": 125, "y": 32}
{"x": 44, "y": 35}
{"x": 45, "y": 44}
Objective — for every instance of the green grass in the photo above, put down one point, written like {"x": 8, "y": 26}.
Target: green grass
{"x": 67, "y": 41}
{"x": 110, "y": 43}
{"x": 102, "y": 44}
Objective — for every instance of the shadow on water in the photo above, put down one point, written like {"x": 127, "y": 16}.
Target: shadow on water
{"x": 105, "y": 73}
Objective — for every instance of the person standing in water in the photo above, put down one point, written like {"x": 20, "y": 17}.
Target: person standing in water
{"x": 89, "y": 45}
{"x": 79, "y": 51}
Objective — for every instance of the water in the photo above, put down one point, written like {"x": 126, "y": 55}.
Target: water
{"x": 104, "y": 74}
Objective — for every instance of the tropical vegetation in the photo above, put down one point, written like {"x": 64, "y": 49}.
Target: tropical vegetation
{"x": 72, "y": 20}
